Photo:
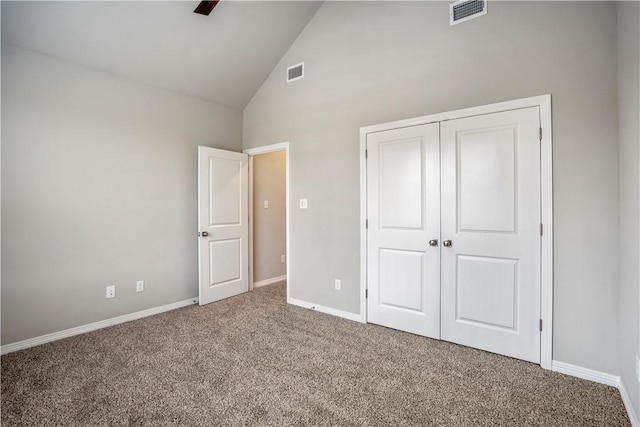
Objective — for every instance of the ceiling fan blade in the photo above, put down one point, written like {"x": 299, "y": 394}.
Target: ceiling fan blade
{"x": 205, "y": 7}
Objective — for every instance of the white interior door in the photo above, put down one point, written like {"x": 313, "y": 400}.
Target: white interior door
{"x": 223, "y": 224}
{"x": 491, "y": 216}
{"x": 403, "y": 179}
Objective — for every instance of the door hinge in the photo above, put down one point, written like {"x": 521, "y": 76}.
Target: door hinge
{"x": 366, "y": 154}
{"x": 366, "y": 293}
{"x": 366, "y": 223}
{"x": 540, "y": 134}
{"x": 540, "y": 325}
{"x": 541, "y": 229}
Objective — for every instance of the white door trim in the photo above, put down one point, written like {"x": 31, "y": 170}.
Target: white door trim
{"x": 282, "y": 146}
{"x": 546, "y": 189}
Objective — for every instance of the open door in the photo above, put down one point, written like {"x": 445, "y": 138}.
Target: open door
{"x": 223, "y": 228}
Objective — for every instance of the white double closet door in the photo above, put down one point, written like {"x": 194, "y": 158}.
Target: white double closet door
{"x": 453, "y": 240}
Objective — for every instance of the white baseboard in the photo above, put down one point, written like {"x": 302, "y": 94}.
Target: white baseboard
{"x": 585, "y": 373}
{"x": 269, "y": 281}
{"x": 326, "y": 310}
{"x": 55, "y": 336}
{"x": 602, "y": 378}
{"x": 635, "y": 421}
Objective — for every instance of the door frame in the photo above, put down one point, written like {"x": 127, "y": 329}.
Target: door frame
{"x": 282, "y": 146}
{"x": 546, "y": 202}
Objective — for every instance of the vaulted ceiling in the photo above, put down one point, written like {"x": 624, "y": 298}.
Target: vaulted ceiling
{"x": 223, "y": 57}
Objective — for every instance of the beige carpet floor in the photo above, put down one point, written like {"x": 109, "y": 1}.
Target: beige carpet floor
{"x": 253, "y": 360}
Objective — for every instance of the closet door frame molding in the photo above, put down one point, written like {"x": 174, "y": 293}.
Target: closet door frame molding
{"x": 546, "y": 201}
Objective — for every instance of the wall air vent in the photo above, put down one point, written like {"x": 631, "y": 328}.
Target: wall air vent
{"x": 295, "y": 72}
{"x": 464, "y": 10}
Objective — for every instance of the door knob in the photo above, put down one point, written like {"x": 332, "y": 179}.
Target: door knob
{"x": 203, "y": 234}
{"x": 433, "y": 242}
{"x": 447, "y": 243}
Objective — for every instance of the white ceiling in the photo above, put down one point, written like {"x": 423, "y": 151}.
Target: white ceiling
{"x": 223, "y": 57}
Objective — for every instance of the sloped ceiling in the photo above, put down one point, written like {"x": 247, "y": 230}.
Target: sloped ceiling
{"x": 223, "y": 57}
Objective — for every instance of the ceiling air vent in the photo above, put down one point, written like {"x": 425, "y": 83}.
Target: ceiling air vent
{"x": 295, "y": 72}
{"x": 464, "y": 10}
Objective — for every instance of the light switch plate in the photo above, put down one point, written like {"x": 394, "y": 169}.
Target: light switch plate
{"x": 111, "y": 291}
{"x": 266, "y": 204}
{"x": 303, "y": 204}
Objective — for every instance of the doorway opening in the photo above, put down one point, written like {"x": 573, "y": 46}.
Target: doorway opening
{"x": 269, "y": 254}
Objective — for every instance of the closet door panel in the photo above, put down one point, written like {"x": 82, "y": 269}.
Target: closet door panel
{"x": 491, "y": 217}
{"x": 403, "y": 180}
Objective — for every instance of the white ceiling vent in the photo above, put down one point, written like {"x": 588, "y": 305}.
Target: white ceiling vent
{"x": 295, "y": 72}
{"x": 464, "y": 10}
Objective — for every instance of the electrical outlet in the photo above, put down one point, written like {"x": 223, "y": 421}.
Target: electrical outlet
{"x": 338, "y": 284}
{"x": 303, "y": 204}
{"x": 140, "y": 286}
{"x": 266, "y": 204}
{"x": 282, "y": 259}
{"x": 111, "y": 291}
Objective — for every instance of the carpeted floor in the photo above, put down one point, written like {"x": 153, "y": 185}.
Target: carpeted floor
{"x": 253, "y": 360}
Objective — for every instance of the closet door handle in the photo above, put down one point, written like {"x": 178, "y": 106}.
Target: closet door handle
{"x": 447, "y": 243}
{"x": 433, "y": 242}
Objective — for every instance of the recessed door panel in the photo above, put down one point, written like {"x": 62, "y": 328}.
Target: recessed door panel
{"x": 225, "y": 260}
{"x": 401, "y": 278}
{"x": 225, "y": 182}
{"x": 486, "y": 292}
{"x": 401, "y": 177}
{"x": 487, "y": 179}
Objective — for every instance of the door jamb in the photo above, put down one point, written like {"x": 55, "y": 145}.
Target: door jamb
{"x": 546, "y": 202}
{"x": 282, "y": 146}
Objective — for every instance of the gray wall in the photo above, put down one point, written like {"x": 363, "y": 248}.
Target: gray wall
{"x": 368, "y": 63}
{"x": 98, "y": 188}
{"x": 269, "y": 225}
{"x": 629, "y": 114}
